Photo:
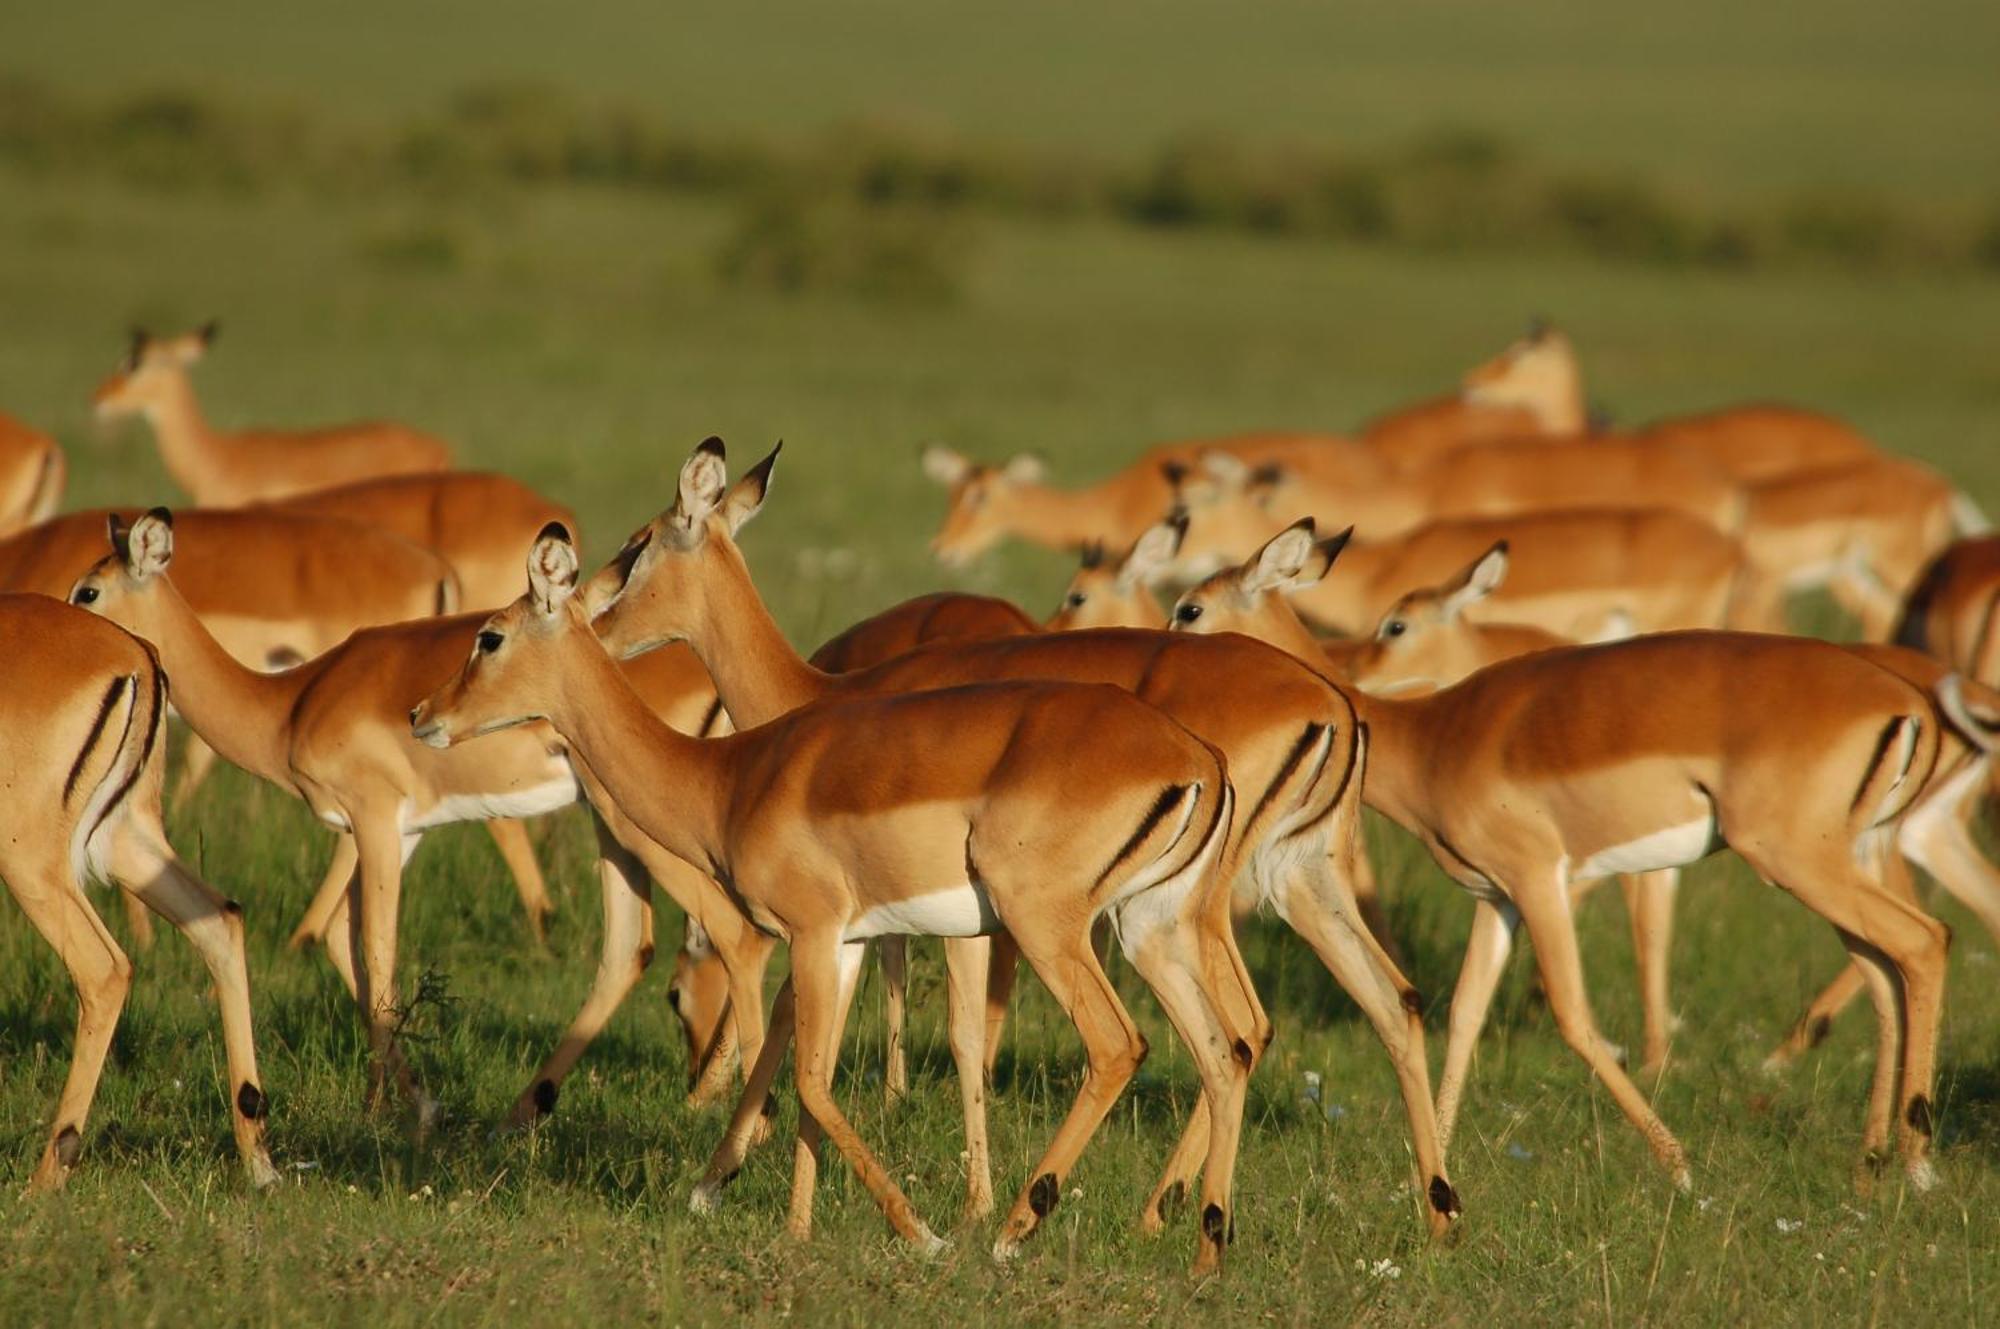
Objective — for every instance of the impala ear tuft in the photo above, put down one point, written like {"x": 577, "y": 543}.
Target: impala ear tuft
{"x": 1176, "y": 472}
{"x": 1090, "y": 554}
{"x": 713, "y": 443}
{"x": 555, "y": 530}
{"x": 207, "y": 332}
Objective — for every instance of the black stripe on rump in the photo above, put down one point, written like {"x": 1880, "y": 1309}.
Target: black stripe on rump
{"x": 104, "y": 709}
{"x": 1169, "y": 799}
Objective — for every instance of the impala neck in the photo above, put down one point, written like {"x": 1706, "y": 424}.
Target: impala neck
{"x": 1397, "y": 755}
{"x": 674, "y": 788}
{"x": 188, "y": 446}
{"x": 1067, "y": 518}
{"x": 244, "y": 715}
{"x": 757, "y": 673}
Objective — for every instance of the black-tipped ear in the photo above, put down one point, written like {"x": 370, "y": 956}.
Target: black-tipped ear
{"x": 1175, "y": 471}
{"x": 1178, "y": 519}
{"x": 1538, "y": 327}
{"x": 117, "y": 532}
{"x": 1333, "y": 544}
{"x": 555, "y": 530}
{"x": 161, "y": 515}
{"x": 1306, "y": 524}
{"x": 759, "y": 476}
{"x": 207, "y": 331}
{"x": 713, "y": 444}
{"x": 1091, "y": 554}
{"x": 1266, "y": 475}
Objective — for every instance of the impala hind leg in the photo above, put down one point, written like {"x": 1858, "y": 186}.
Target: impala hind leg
{"x": 895, "y": 956}
{"x": 1060, "y": 952}
{"x": 317, "y": 924}
{"x": 144, "y": 864}
{"x": 817, "y": 965}
{"x": 197, "y": 760}
{"x": 1649, "y": 903}
{"x": 750, "y": 1120}
{"x": 967, "y": 962}
{"x": 1001, "y": 972}
{"x": 1494, "y": 922}
{"x": 626, "y": 951}
{"x": 373, "y": 925}
{"x": 54, "y": 903}
{"x": 1544, "y": 907}
{"x": 518, "y": 852}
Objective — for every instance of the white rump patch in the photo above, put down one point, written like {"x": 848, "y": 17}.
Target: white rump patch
{"x": 1676, "y": 846}
{"x": 956, "y": 911}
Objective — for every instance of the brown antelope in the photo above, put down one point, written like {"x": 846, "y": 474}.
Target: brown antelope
{"x": 860, "y": 817}
{"x": 81, "y": 759}
{"x": 330, "y": 731}
{"x": 1426, "y": 642}
{"x": 1591, "y": 573}
{"x": 1286, "y": 734}
{"x": 1570, "y": 764}
{"x": 228, "y": 469}
{"x": 1953, "y": 612}
{"x": 1105, "y": 594}
{"x": 990, "y": 503}
{"x": 1532, "y": 389}
{"x": 32, "y": 475}
{"x": 1864, "y": 530}
{"x": 275, "y": 588}
{"x": 477, "y": 521}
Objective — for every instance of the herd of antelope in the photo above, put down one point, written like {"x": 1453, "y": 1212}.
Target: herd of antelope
{"x": 1558, "y": 654}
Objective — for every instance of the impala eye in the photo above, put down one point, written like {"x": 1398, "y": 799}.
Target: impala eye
{"x": 85, "y": 595}
{"x": 1187, "y": 613}
{"x": 1395, "y": 627}
{"x": 1075, "y": 600}
{"x": 489, "y": 641}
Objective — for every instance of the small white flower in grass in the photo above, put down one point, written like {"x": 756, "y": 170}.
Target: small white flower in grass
{"x": 1820, "y": 1256}
{"x": 1312, "y": 1086}
{"x": 1788, "y": 1226}
{"x": 1704, "y": 1202}
{"x": 1076, "y": 1192}
{"x": 1385, "y": 1269}
{"x": 353, "y": 1189}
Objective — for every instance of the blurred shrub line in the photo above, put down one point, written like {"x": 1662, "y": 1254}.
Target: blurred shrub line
{"x": 869, "y": 206}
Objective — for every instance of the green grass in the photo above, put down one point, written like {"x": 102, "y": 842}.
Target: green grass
{"x": 581, "y": 340}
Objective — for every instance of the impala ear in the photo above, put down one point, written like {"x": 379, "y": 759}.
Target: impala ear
{"x": 704, "y": 480}
{"x": 206, "y": 333}
{"x": 1478, "y": 581}
{"x": 1282, "y": 559}
{"x": 118, "y": 533}
{"x": 135, "y": 348}
{"x": 1153, "y": 553}
{"x": 1025, "y": 468}
{"x": 944, "y": 466}
{"x": 1538, "y": 327}
{"x": 551, "y": 569}
{"x": 1090, "y": 555}
{"x": 149, "y": 545}
{"x": 746, "y": 496}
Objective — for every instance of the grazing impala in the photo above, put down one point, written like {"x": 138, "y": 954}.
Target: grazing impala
{"x": 227, "y": 469}
{"x": 331, "y": 732}
{"x": 1575, "y": 763}
{"x": 990, "y": 503}
{"x": 1287, "y": 734}
{"x": 32, "y": 475}
{"x": 1532, "y": 389}
{"x": 81, "y": 760}
{"x": 855, "y": 818}
{"x": 1591, "y": 574}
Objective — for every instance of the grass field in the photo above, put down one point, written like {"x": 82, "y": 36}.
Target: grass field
{"x": 579, "y": 339}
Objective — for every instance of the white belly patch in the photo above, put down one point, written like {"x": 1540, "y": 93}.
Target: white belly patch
{"x": 532, "y": 801}
{"x": 1673, "y": 847}
{"x": 956, "y": 911}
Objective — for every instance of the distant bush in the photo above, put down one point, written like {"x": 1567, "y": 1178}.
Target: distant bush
{"x": 796, "y": 243}
{"x": 1850, "y": 229}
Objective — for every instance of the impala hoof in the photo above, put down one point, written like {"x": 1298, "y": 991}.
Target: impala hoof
{"x": 928, "y": 1243}
{"x": 704, "y": 1200}
{"x": 1922, "y": 1175}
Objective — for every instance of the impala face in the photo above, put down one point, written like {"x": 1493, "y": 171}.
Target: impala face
{"x": 643, "y": 598}
{"x": 1241, "y": 599}
{"x": 986, "y": 501}
{"x": 150, "y": 372}
{"x": 511, "y": 673}
{"x": 117, "y": 586}
{"x": 1104, "y": 594}
{"x": 1421, "y": 644}
{"x": 1537, "y": 373}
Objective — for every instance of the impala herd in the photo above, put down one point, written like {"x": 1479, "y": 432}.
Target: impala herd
{"x": 1559, "y": 654}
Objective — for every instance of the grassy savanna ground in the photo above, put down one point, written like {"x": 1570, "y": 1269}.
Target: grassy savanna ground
{"x": 579, "y": 339}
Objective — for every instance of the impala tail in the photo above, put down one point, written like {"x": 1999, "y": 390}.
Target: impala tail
{"x": 127, "y": 733}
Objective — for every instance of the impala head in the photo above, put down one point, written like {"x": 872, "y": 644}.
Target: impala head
{"x": 1231, "y": 508}
{"x": 1118, "y": 593}
{"x": 1424, "y": 642}
{"x": 519, "y": 655}
{"x": 660, "y": 585}
{"x": 1250, "y": 598}
{"x": 1537, "y": 373}
{"x": 124, "y": 585}
{"x": 698, "y": 993}
{"x": 153, "y": 369}
{"x": 986, "y": 501}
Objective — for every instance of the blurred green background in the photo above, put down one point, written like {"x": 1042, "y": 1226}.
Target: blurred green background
{"x": 575, "y": 240}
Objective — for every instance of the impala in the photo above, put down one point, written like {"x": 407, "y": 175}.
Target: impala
{"x": 1532, "y": 389}
{"x": 32, "y": 475}
{"x": 227, "y": 469}
{"x": 82, "y": 763}
{"x": 330, "y": 731}
{"x": 1107, "y": 593}
{"x": 1646, "y": 754}
{"x": 1953, "y": 612}
{"x": 1288, "y": 737}
{"x": 851, "y": 819}
{"x": 1592, "y": 573}
{"x": 990, "y": 503}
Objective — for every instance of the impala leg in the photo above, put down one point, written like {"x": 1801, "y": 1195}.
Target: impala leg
{"x": 805, "y": 1155}
{"x": 383, "y": 850}
{"x": 1817, "y": 1022}
{"x": 1552, "y": 932}
{"x": 1887, "y": 999}
{"x": 1937, "y": 837}
{"x": 138, "y": 923}
{"x": 817, "y": 964}
{"x": 1001, "y": 973}
{"x": 1649, "y": 900}
{"x": 145, "y": 865}
{"x": 54, "y": 903}
{"x": 1062, "y": 957}
{"x": 318, "y": 923}
{"x": 511, "y": 838}
{"x": 967, "y": 978}
{"x": 1486, "y": 951}
{"x": 895, "y": 953}
{"x": 626, "y": 895}
{"x": 745, "y": 953}
{"x": 197, "y": 760}
{"x": 752, "y": 1108}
